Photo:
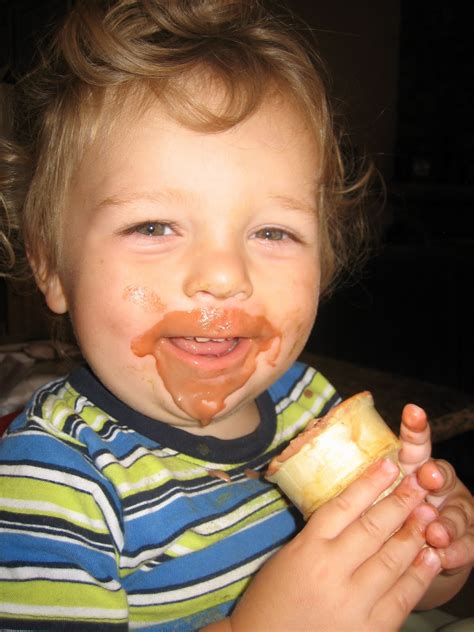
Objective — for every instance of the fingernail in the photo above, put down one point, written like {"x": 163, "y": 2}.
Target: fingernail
{"x": 430, "y": 557}
{"x": 432, "y": 471}
{"x": 414, "y": 410}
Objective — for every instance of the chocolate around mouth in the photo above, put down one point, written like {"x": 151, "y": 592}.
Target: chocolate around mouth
{"x": 214, "y": 324}
{"x": 225, "y": 344}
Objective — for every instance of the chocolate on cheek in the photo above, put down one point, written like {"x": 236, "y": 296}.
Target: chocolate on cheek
{"x": 143, "y": 297}
{"x": 196, "y": 386}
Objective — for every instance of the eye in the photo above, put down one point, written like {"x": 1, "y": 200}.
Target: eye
{"x": 152, "y": 229}
{"x": 273, "y": 234}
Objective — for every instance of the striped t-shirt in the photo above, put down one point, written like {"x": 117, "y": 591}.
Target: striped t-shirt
{"x": 110, "y": 520}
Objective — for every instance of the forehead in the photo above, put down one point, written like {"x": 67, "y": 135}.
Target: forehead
{"x": 277, "y": 127}
{"x": 201, "y": 106}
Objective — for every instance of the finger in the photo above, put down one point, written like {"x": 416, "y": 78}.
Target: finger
{"x": 447, "y": 474}
{"x": 399, "y": 601}
{"x": 416, "y": 437}
{"x": 375, "y": 526}
{"x": 394, "y": 558}
{"x": 459, "y": 554}
{"x": 431, "y": 476}
{"x": 455, "y": 518}
{"x": 334, "y": 516}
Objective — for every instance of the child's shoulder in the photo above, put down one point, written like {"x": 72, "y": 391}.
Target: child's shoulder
{"x": 304, "y": 384}
{"x": 301, "y": 394}
{"x": 45, "y": 432}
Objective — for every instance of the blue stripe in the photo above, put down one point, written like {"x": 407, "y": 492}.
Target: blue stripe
{"x": 221, "y": 556}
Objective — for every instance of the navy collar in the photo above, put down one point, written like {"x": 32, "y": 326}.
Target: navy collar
{"x": 202, "y": 447}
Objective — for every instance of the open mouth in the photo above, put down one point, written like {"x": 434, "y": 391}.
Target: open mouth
{"x": 215, "y": 355}
{"x": 201, "y": 346}
{"x": 209, "y": 341}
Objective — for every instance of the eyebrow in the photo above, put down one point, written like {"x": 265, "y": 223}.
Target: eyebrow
{"x": 143, "y": 196}
{"x": 294, "y": 204}
{"x": 177, "y": 195}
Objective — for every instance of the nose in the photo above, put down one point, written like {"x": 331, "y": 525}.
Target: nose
{"x": 221, "y": 274}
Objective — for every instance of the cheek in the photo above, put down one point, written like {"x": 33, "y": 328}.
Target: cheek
{"x": 144, "y": 298}
{"x": 295, "y": 301}
{"x": 298, "y": 312}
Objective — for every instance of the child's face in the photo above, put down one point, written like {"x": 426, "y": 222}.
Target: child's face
{"x": 174, "y": 237}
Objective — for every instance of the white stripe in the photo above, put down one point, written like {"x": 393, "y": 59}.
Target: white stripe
{"x": 159, "y": 477}
{"x": 144, "y": 557}
{"x": 63, "y": 611}
{"x": 171, "y": 495}
{"x": 297, "y": 390}
{"x": 143, "y": 483}
{"x": 305, "y": 417}
{"x": 108, "y": 458}
{"x": 58, "y": 536}
{"x": 74, "y": 482}
{"x": 81, "y": 403}
{"x": 47, "y": 507}
{"x": 178, "y": 550}
{"x": 50, "y": 419}
{"x": 201, "y": 588}
{"x": 228, "y": 520}
{"x": 213, "y": 526}
{"x": 98, "y": 421}
{"x": 56, "y": 574}
{"x": 150, "y": 554}
{"x": 103, "y": 460}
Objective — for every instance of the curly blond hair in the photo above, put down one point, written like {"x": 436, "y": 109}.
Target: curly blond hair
{"x": 106, "y": 52}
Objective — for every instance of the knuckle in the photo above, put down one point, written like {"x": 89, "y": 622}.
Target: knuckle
{"x": 411, "y": 531}
{"x": 341, "y": 503}
{"x": 405, "y": 500}
{"x": 459, "y": 513}
{"x": 420, "y": 582}
{"x": 466, "y": 509}
{"x": 403, "y": 603}
{"x": 389, "y": 561}
{"x": 372, "y": 527}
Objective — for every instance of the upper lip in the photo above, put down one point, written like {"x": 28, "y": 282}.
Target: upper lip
{"x": 221, "y": 324}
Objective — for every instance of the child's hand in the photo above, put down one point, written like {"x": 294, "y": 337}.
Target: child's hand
{"x": 347, "y": 571}
{"x": 453, "y": 532}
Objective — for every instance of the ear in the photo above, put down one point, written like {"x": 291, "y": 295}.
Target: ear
{"x": 54, "y": 294}
{"x": 51, "y": 286}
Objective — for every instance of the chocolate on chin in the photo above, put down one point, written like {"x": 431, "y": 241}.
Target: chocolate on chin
{"x": 332, "y": 452}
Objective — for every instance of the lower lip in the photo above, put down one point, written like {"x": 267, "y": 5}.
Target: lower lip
{"x": 198, "y": 357}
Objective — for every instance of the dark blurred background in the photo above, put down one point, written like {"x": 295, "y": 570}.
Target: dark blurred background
{"x": 401, "y": 75}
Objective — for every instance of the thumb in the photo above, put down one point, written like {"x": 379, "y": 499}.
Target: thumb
{"x": 439, "y": 478}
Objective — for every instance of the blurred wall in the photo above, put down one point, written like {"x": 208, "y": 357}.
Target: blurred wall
{"x": 360, "y": 43}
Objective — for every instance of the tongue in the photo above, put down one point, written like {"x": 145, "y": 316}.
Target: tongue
{"x": 210, "y": 348}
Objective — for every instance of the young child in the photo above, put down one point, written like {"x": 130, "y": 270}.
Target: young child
{"x": 179, "y": 191}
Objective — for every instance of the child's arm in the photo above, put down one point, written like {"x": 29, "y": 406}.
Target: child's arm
{"x": 452, "y": 533}
{"x": 345, "y": 571}
{"x": 59, "y": 537}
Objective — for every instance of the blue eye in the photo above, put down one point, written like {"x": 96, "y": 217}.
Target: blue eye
{"x": 271, "y": 234}
{"x": 154, "y": 229}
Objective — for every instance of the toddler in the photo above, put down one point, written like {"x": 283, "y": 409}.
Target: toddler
{"x": 179, "y": 192}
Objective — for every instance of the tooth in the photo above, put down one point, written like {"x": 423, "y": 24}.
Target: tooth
{"x": 197, "y": 339}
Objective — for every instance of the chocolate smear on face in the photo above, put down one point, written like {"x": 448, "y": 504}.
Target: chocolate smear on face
{"x": 202, "y": 356}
